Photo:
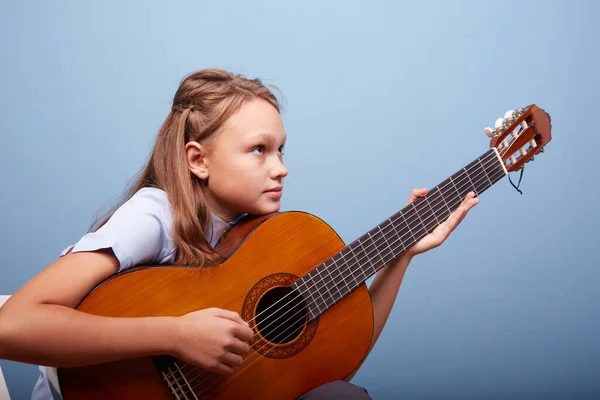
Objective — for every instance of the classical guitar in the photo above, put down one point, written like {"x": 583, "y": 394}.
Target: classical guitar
{"x": 291, "y": 277}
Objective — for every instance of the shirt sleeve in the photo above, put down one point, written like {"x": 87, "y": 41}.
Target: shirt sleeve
{"x": 138, "y": 232}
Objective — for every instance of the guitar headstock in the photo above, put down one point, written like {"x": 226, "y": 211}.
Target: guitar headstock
{"x": 520, "y": 135}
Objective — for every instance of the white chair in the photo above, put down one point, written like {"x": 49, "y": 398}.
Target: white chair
{"x": 3, "y": 389}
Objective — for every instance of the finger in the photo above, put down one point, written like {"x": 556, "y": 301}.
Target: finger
{"x": 469, "y": 202}
{"x": 242, "y": 332}
{"x": 461, "y": 212}
{"x": 230, "y": 315}
{"x": 456, "y": 217}
{"x": 231, "y": 359}
{"x": 222, "y": 369}
{"x": 238, "y": 347}
{"x": 416, "y": 193}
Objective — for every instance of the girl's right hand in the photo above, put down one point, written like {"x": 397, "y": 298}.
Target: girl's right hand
{"x": 213, "y": 338}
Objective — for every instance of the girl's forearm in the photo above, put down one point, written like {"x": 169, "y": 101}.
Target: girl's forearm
{"x": 383, "y": 292}
{"x": 59, "y": 336}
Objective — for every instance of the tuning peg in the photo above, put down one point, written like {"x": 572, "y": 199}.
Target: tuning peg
{"x": 509, "y": 114}
{"x": 489, "y": 132}
{"x": 523, "y": 151}
{"x": 499, "y": 123}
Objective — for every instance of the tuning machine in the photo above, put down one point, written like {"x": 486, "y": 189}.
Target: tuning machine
{"x": 502, "y": 124}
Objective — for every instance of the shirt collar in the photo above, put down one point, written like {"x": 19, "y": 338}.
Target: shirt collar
{"x": 219, "y": 226}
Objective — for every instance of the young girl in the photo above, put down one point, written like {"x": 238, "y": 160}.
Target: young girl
{"x": 218, "y": 156}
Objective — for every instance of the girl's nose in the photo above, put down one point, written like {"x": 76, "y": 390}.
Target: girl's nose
{"x": 279, "y": 170}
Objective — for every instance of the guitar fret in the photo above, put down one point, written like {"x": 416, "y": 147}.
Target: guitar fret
{"x": 307, "y": 294}
{"x": 335, "y": 275}
{"x": 450, "y": 194}
{"x": 356, "y": 273}
{"x": 351, "y": 284}
{"x": 331, "y": 283}
{"x": 397, "y": 234}
{"x": 478, "y": 170}
{"x": 425, "y": 213}
{"x": 350, "y": 267}
{"x": 408, "y": 226}
{"x": 482, "y": 185}
{"x": 391, "y": 238}
{"x": 322, "y": 289}
{"x": 474, "y": 189}
{"x": 386, "y": 258}
{"x": 437, "y": 192}
{"x": 485, "y": 172}
{"x": 373, "y": 239}
{"x": 345, "y": 268}
{"x": 417, "y": 212}
{"x": 318, "y": 301}
{"x": 432, "y": 212}
{"x": 457, "y": 192}
{"x": 384, "y": 238}
{"x": 376, "y": 249}
{"x": 326, "y": 279}
{"x": 367, "y": 258}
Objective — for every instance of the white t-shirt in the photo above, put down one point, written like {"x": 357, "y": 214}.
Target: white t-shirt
{"x": 139, "y": 233}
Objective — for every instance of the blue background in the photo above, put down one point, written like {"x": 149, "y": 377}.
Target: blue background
{"x": 379, "y": 97}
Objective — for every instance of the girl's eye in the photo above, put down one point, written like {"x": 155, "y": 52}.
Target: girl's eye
{"x": 260, "y": 148}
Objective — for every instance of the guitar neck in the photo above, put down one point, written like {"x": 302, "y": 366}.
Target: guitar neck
{"x": 329, "y": 282}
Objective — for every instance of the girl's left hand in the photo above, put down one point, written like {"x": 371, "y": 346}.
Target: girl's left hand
{"x": 442, "y": 231}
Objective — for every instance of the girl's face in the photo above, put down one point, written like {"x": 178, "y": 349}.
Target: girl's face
{"x": 243, "y": 163}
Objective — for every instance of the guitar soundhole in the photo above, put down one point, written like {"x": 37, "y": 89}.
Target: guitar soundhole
{"x": 281, "y": 315}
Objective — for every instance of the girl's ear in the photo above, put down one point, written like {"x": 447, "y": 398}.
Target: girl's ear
{"x": 196, "y": 159}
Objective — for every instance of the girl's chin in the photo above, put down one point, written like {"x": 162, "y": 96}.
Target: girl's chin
{"x": 268, "y": 208}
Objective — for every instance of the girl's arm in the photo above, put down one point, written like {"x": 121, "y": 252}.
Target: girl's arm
{"x": 38, "y": 324}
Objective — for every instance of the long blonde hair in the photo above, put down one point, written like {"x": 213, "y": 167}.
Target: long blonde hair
{"x": 204, "y": 100}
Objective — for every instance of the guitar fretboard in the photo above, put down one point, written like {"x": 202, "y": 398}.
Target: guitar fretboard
{"x": 328, "y": 283}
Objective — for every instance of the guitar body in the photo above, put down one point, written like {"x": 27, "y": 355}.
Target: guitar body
{"x": 264, "y": 256}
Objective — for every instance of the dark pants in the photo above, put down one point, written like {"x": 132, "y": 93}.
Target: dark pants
{"x": 336, "y": 390}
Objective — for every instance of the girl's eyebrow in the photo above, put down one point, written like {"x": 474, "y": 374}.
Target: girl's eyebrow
{"x": 266, "y": 136}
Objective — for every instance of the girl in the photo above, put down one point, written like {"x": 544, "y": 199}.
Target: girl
{"x": 218, "y": 156}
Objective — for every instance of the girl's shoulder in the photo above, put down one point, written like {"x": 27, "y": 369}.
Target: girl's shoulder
{"x": 149, "y": 200}
{"x": 139, "y": 231}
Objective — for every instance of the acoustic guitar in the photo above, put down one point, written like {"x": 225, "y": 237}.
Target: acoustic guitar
{"x": 292, "y": 278}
